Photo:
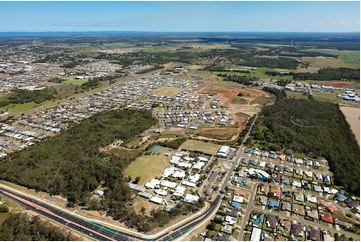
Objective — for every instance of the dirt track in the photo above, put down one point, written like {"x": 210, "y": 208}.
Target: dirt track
{"x": 353, "y": 117}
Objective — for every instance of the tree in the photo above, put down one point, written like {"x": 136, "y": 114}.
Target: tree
{"x": 137, "y": 180}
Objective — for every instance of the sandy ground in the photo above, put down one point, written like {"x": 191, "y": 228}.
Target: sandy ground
{"x": 353, "y": 117}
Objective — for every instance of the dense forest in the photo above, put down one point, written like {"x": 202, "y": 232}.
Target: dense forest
{"x": 174, "y": 144}
{"x": 22, "y": 227}
{"x": 70, "y": 164}
{"x": 317, "y": 129}
{"x": 244, "y": 80}
{"x": 330, "y": 74}
{"x": 23, "y": 96}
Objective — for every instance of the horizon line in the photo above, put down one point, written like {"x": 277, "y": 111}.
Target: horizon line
{"x": 167, "y": 31}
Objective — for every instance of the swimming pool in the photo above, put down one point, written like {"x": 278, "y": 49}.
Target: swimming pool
{"x": 156, "y": 148}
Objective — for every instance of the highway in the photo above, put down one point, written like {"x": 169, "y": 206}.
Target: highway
{"x": 69, "y": 220}
{"x": 97, "y": 231}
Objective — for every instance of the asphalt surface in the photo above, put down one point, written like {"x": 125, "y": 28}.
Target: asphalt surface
{"x": 78, "y": 224}
{"x": 106, "y": 234}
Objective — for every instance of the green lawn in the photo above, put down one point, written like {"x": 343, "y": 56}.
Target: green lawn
{"x": 147, "y": 167}
{"x": 207, "y": 148}
{"x": 16, "y": 108}
{"x": 75, "y": 82}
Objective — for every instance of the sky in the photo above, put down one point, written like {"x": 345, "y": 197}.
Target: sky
{"x": 181, "y": 16}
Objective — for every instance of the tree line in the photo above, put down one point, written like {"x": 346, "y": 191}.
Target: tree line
{"x": 24, "y": 96}
{"x": 348, "y": 74}
{"x": 22, "y": 227}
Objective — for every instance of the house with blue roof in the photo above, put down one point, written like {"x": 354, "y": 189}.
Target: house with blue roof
{"x": 246, "y": 181}
{"x": 236, "y": 205}
{"x": 273, "y": 203}
{"x": 341, "y": 197}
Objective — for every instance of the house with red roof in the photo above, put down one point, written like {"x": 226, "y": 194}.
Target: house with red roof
{"x": 331, "y": 208}
{"x": 276, "y": 192}
{"x": 321, "y": 202}
{"x": 327, "y": 218}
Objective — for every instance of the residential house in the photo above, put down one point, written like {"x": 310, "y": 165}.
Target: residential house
{"x": 237, "y": 199}
{"x": 273, "y": 203}
{"x": 286, "y": 206}
{"x": 271, "y": 222}
{"x": 236, "y": 205}
{"x": 314, "y": 235}
{"x": 263, "y": 200}
{"x": 331, "y": 208}
{"x": 285, "y": 225}
{"x": 227, "y": 229}
{"x": 285, "y": 180}
{"x": 246, "y": 181}
{"x": 223, "y": 237}
{"x": 312, "y": 214}
{"x": 232, "y": 213}
{"x": 351, "y": 203}
{"x": 276, "y": 192}
{"x": 256, "y": 234}
{"x": 317, "y": 188}
{"x": 296, "y": 183}
{"x": 297, "y": 230}
{"x": 299, "y": 197}
{"x": 327, "y": 218}
{"x": 298, "y": 209}
{"x": 341, "y": 197}
{"x": 231, "y": 220}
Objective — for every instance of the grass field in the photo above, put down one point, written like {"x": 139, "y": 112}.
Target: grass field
{"x": 147, "y": 167}
{"x": 326, "y": 97}
{"x": 239, "y": 100}
{"x": 195, "y": 67}
{"x": 143, "y": 202}
{"x": 217, "y": 133}
{"x": 261, "y": 100}
{"x": 166, "y": 91}
{"x": 324, "y": 63}
{"x": 16, "y": 108}
{"x": 350, "y": 58}
{"x": 122, "y": 152}
{"x": 207, "y": 148}
{"x": 75, "y": 82}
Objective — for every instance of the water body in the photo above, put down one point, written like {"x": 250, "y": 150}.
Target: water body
{"x": 353, "y": 118}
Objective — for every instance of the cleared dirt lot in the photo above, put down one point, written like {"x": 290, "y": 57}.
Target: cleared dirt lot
{"x": 353, "y": 117}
